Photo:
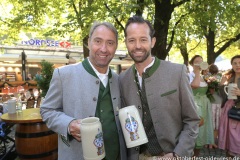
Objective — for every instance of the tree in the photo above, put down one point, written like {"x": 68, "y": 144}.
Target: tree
{"x": 218, "y": 22}
{"x": 193, "y": 25}
{"x": 46, "y": 76}
{"x": 69, "y": 18}
{"x": 185, "y": 36}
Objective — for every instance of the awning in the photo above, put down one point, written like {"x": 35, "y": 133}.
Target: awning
{"x": 12, "y": 55}
{"x": 13, "y": 58}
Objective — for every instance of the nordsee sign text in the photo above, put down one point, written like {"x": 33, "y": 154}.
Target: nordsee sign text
{"x": 48, "y": 43}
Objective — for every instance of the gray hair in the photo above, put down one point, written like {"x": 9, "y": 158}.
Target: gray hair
{"x": 106, "y": 24}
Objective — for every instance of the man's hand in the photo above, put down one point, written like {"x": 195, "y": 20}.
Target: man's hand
{"x": 168, "y": 155}
{"x": 74, "y": 129}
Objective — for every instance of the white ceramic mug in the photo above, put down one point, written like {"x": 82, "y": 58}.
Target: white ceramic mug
{"x": 131, "y": 123}
{"x": 11, "y": 106}
{"x": 230, "y": 87}
{"x": 203, "y": 65}
{"x": 92, "y": 139}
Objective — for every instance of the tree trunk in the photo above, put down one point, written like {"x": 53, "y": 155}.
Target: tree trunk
{"x": 163, "y": 11}
{"x": 211, "y": 55}
{"x": 139, "y": 11}
{"x": 184, "y": 53}
{"x": 85, "y": 47}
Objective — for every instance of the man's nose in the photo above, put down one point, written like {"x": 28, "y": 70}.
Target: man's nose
{"x": 138, "y": 44}
{"x": 103, "y": 47}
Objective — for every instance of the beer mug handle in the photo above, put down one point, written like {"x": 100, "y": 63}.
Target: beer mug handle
{"x": 225, "y": 87}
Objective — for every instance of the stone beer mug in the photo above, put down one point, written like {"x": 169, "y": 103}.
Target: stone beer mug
{"x": 230, "y": 87}
{"x": 203, "y": 65}
{"x": 131, "y": 123}
{"x": 92, "y": 139}
{"x": 11, "y": 106}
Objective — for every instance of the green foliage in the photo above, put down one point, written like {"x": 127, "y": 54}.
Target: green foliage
{"x": 206, "y": 27}
{"x": 46, "y": 76}
{"x": 71, "y": 19}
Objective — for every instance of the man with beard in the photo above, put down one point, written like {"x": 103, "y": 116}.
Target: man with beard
{"x": 161, "y": 92}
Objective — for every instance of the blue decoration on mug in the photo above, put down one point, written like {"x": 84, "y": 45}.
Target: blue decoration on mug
{"x": 131, "y": 126}
{"x": 99, "y": 143}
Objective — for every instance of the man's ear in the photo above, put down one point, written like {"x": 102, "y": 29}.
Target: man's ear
{"x": 153, "y": 41}
{"x": 125, "y": 40}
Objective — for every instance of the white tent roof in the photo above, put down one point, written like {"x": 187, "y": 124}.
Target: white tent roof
{"x": 224, "y": 64}
{"x": 53, "y": 55}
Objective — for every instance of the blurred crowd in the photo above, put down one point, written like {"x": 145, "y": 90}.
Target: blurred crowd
{"x": 219, "y": 112}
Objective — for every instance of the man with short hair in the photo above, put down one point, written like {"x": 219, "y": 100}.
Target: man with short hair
{"x": 161, "y": 92}
{"x": 87, "y": 89}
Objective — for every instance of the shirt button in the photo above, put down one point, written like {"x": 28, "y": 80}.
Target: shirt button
{"x": 145, "y": 113}
{"x": 97, "y": 82}
{"x": 139, "y": 107}
{"x": 137, "y": 148}
{"x": 101, "y": 110}
{"x": 94, "y": 98}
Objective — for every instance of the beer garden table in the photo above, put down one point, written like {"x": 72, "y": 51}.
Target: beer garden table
{"x": 33, "y": 140}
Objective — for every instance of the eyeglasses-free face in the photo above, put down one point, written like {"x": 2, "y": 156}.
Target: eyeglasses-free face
{"x": 102, "y": 46}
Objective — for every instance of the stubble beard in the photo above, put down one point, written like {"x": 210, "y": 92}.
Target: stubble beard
{"x": 140, "y": 59}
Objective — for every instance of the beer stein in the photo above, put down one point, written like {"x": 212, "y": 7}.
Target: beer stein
{"x": 92, "y": 139}
{"x": 230, "y": 87}
{"x": 131, "y": 123}
{"x": 203, "y": 65}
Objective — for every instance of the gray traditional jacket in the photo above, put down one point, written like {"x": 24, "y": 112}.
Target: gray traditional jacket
{"x": 171, "y": 105}
{"x": 73, "y": 95}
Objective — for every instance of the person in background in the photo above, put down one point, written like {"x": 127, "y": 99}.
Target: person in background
{"x": 22, "y": 96}
{"x": 161, "y": 92}
{"x": 200, "y": 87}
{"x": 216, "y": 101}
{"x": 229, "y": 129}
{"x": 81, "y": 90}
{"x": 31, "y": 99}
{"x": 4, "y": 77}
{"x": 205, "y": 72}
{"x": 29, "y": 77}
{"x": 38, "y": 76}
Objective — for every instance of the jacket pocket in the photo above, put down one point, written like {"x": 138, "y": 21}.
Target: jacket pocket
{"x": 169, "y": 92}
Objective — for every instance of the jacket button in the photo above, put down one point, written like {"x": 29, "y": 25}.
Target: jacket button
{"x": 97, "y": 82}
{"x": 94, "y": 98}
{"x": 137, "y": 148}
{"x": 139, "y": 107}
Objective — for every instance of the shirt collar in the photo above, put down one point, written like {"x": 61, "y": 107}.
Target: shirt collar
{"x": 102, "y": 76}
{"x": 148, "y": 66}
